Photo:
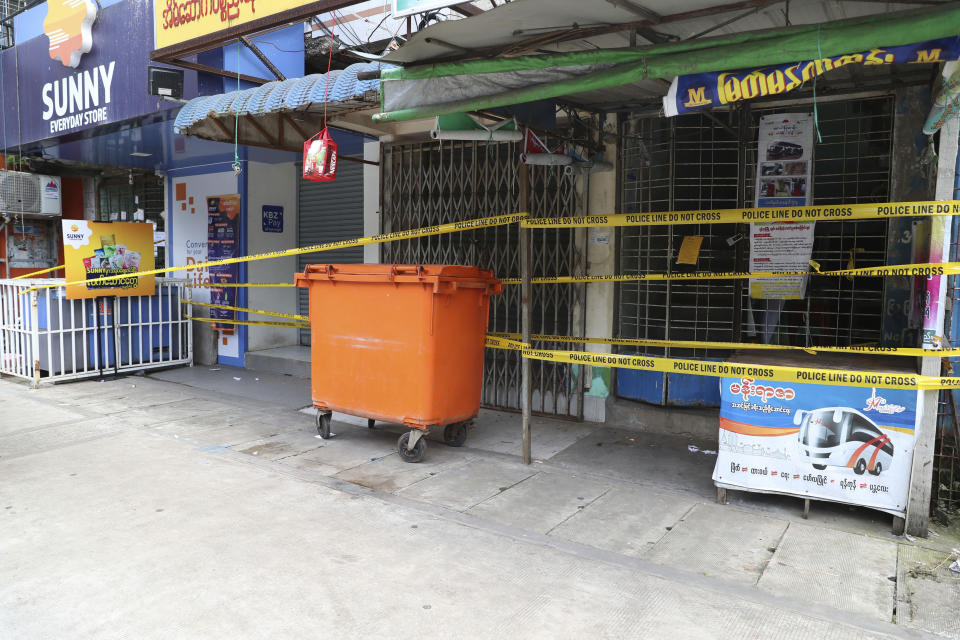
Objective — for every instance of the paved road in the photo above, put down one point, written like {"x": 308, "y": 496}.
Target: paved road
{"x": 141, "y": 508}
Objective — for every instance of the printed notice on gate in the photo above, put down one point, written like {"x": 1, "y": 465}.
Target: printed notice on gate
{"x": 784, "y": 159}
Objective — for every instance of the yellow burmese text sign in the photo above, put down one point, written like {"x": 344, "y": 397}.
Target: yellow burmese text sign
{"x": 113, "y": 250}
{"x": 177, "y": 21}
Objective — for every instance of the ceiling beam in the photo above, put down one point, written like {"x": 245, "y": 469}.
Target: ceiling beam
{"x": 467, "y": 9}
{"x": 256, "y": 125}
{"x": 186, "y": 64}
{"x": 575, "y": 33}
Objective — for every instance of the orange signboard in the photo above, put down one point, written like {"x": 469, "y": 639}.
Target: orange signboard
{"x": 93, "y": 250}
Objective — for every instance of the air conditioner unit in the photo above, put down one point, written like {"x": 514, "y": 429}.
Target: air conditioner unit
{"x": 30, "y": 194}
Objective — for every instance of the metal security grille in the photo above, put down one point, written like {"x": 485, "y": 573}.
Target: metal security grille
{"x": 329, "y": 211}
{"x": 851, "y": 165}
{"x": 434, "y": 183}
{"x": 707, "y": 161}
{"x": 676, "y": 164}
{"x": 116, "y": 196}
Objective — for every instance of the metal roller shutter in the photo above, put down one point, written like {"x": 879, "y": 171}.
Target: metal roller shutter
{"x": 329, "y": 211}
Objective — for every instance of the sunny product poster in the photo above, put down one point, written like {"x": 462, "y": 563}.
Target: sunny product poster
{"x": 118, "y": 250}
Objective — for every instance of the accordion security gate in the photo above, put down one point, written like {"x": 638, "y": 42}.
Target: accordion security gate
{"x": 426, "y": 184}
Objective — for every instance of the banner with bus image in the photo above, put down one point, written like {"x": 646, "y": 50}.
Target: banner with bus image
{"x": 118, "y": 250}
{"x": 845, "y": 444}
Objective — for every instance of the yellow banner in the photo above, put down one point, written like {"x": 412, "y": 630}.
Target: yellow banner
{"x": 260, "y": 312}
{"x": 824, "y": 213}
{"x": 502, "y": 341}
{"x": 924, "y": 269}
{"x": 218, "y": 285}
{"x": 252, "y": 323}
{"x": 440, "y": 229}
{"x": 107, "y": 259}
{"x": 38, "y": 273}
{"x": 177, "y": 21}
{"x": 494, "y": 340}
{"x": 755, "y": 371}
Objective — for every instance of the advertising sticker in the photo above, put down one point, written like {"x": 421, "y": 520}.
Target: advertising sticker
{"x": 93, "y": 250}
{"x": 846, "y": 444}
{"x": 223, "y": 238}
{"x": 784, "y": 159}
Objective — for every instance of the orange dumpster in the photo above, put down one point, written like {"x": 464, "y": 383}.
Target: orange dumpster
{"x": 399, "y": 343}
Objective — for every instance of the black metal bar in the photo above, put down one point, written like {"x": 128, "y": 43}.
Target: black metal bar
{"x": 263, "y": 58}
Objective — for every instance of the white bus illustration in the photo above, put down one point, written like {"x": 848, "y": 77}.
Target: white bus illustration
{"x": 843, "y": 437}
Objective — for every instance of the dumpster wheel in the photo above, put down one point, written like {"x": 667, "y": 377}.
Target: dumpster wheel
{"x": 323, "y": 424}
{"x": 454, "y": 435}
{"x": 418, "y": 451}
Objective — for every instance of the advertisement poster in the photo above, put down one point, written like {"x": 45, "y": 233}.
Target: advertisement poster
{"x": 784, "y": 164}
{"x": 223, "y": 239}
{"x": 94, "y": 250}
{"x": 846, "y": 444}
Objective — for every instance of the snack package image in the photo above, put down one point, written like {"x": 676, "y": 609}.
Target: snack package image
{"x": 131, "y": 260}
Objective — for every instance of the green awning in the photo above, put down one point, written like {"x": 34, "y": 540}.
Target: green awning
{"x": 444, "y": 88}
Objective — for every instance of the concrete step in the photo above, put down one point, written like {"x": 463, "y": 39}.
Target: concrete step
{"x": 294, "y": 361}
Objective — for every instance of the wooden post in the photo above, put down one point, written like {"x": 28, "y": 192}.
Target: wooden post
{"x": 921, "y": 471}
{"x": 526, "y": 256}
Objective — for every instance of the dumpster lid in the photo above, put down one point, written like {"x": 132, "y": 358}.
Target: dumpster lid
{"x": 405, "y": 271}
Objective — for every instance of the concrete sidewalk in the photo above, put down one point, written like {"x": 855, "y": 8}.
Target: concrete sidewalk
{"x": 145, "y": 508}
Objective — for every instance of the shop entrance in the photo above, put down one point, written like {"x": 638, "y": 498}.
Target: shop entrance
{"x": 432, "y": 183}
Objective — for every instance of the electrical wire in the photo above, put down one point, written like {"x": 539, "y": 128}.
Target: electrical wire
{"x": 346, "y": 28}
{"x": 237, "y": 167}
{"x": 326, "y": 86}
{"x": 816, "y": 119}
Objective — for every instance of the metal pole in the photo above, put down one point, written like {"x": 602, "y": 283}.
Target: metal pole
{"x": 525, "y": 316}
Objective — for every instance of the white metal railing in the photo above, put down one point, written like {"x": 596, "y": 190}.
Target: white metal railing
{"x": 45, "y": 337}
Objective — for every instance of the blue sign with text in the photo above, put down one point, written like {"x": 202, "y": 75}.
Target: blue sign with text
{"x": 272, "y": 219}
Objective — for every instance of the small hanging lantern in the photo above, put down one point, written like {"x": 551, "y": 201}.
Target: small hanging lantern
{"x": 320, "y": 158}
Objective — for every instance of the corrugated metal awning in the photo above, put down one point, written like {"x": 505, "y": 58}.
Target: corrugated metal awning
{"x": 280, "y": 114}
{"x": 536, "y": 50}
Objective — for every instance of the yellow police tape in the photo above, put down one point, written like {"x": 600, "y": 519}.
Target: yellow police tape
{"x": 255, "y": 323}
{"x": 261, "y": 312}
{"x": 59, "y": 266}
{"x": 921, "y": 269}
{"x": 38, "y": 273}
{"x": 753, "y": 372}
{"x": 440, "y": 229}
{"x": 512, "y": 342}
{"x": 219, "y": 285}
{"x": 504, "y": 341}
{"x": 823, "y": 213}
